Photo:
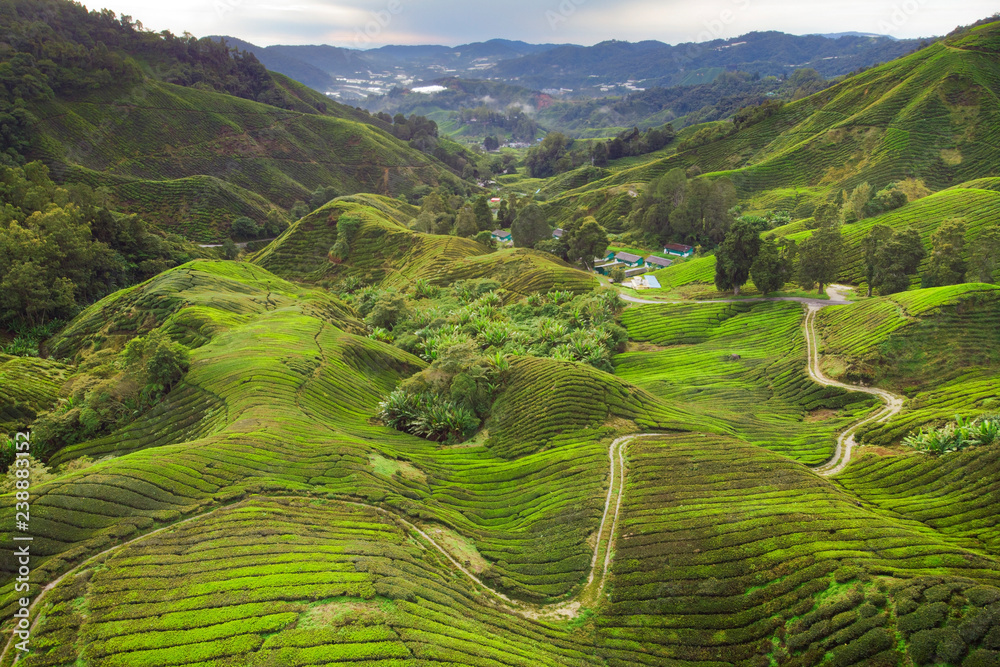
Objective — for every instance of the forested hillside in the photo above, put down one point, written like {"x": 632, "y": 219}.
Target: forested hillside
{"x": 183, "y": 131}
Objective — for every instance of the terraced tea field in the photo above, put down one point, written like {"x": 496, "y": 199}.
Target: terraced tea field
{"x": 938, "y": 347}
{"x": 387, "y": 253}
{"x": 193, "y": 160}
{"x": 259, "y": 517}
{"x": 729, "y": 554}
{"x": 743, "y": 364}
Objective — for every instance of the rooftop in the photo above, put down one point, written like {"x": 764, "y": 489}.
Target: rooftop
{"x": 658, "y": 261}
{"x": 627, "y": 257}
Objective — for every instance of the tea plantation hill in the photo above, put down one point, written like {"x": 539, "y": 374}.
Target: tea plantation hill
{"x": 190, "y": 157}
{"x": 932, "y": 115}
{"x": 384, "y": 251}
{"x": 194, "y": 160}
{"x": 299, "y": 532}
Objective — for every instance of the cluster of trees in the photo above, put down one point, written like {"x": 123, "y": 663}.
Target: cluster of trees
{"x": 582, "y": 240}
{"x": 772, "y": 262}
{"x": 422, "y": 134}
{"x": 863, "y": 202}
{"x": 583, "y": 237}
{"x": 450, "y": 214}
{"x": 319, "y": 197}
{"x": 513, "y": 121}
{"x": 743, "y": 255}
{"x": 141, "y": 375}
{"x": 675, "y": 208}
{"x": 556, "y": 153}
{"x": 248, "y": 229}
{"x": 61, "y": 246}
{"x": 947, "y": 264}
{"x": 420, "y": 131}
{"x": 890, "y": 257}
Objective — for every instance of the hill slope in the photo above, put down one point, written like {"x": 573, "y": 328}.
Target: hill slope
{"x": 931, "y": 115}
{"x": 385, "y": 251}
{"x": 183, "y": 131}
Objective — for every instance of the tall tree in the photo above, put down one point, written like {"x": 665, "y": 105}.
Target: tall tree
{"x": 465, "y": 224}
{"x": 586, "y": 241}
{"x": 737, "y": 253}
{"x": 854, "y": 205}
{"x": 530, "y": 227}
{"x": 986, "y": 255}
{"x": 653, "y": 208}
{"x": 599, "y": 154}
{"x": 423, "y": 222}
{"x": 899, "y": 258}
{"x": 687, "y": 220}
{"x": 871, "y": 247}
{"x": 484, "y": 216}
{"x": 947, "y": 265}
{"x": 503, "y": 215}
{"x": 718, "y": 219}
{"x": 820, "y": 257}
{"x": 772, "y": 268}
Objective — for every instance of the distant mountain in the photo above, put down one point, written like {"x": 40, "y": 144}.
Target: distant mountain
{"x": 289, "y": 65}
{"x": 352, "y": 74}
{"x": 838, "y": 35}
{"x": 651, "y": 63}
{"x": 612, "y": 67}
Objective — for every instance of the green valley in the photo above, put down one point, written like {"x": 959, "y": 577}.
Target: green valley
{"x": 283, "y": 383}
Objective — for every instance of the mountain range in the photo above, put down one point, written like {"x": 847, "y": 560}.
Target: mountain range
{"x": 586, "y": 70}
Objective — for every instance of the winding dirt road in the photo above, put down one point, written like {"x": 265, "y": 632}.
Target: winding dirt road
{"x": 845, "y": 442}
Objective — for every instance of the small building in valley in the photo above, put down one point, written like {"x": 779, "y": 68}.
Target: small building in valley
{"x": 501, "y": 235}
{"x": 629, "y": 259}
{"x": 558, "y": 233}
{"x": 606, "y": 268}
{"x": 658, "y": 262}
{"x": 678, "y": 250}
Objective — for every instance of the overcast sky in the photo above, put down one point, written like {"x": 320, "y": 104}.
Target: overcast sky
{"x": 371, "y": 23}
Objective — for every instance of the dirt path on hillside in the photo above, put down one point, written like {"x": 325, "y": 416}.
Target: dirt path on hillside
{"x": 561, "y": 610}
{"x": 846, "y": 442}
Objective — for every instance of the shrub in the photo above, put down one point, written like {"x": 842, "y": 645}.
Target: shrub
{"x": 389, "y": 309}
{"x": 245, "y": 228}
{"x": 925, "y": 617}
{"x": 427, "y": 416}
